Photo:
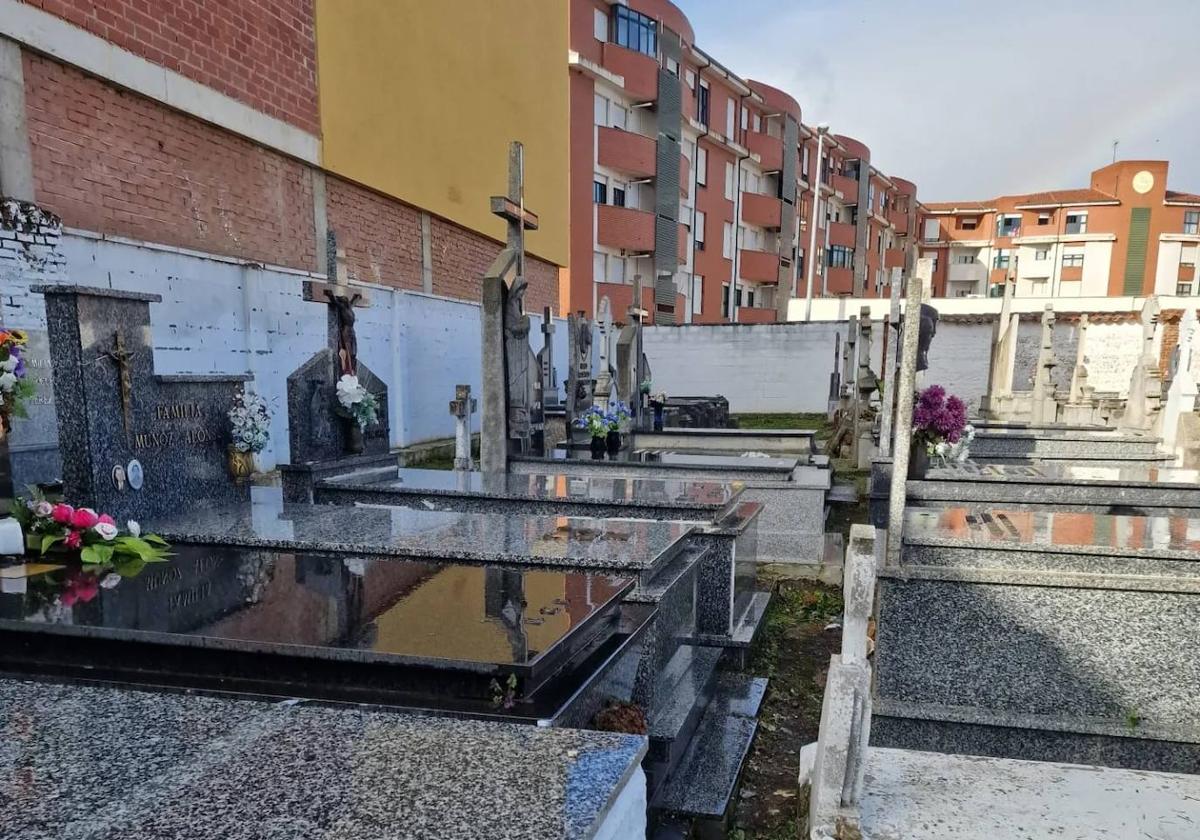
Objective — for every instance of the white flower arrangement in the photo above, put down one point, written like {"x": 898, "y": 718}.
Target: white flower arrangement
{"x": 251, "y": 419}
{"x": 356, "y": 402}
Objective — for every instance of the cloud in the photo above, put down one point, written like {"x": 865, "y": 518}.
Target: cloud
{"x": 972, "y": 100}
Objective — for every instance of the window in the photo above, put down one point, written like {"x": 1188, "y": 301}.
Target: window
{"x": 968, "y": 223}
{"x": 1001, "y": 259}
{"x": 730, "y": 108}
{"x": 1183, "y": 289}
{"x": 1041, "y": 254}
{"x": 1077, "y": 222}
{"x": 616, "y": 270}
{"x": 965, "y": 259}
{"x": 599, "y": 266}
{"x": 1043, "y": 219}
{"x": 724, "y": 299}
{"x": 689, "y": 76}
{"x": 746, "y": 118}
{"x": 1191, "y": 222}
{"x": 697, "y": 294}
{"x": 636, "y": 31}
{"x": 672, "y": 66}
{"x": 701, "y": 166}
{"x": 702, "y": 103}
{"x": 609, "y": 113}
{"x": 618, "y": 196}
{"x": 1072, "y": 260}
{"x": 804, "y": 162}
{"x": 699, "y": 231}
{"x": 729, "y": 180}
{"x": 599, "y": 192}
{"x": 617, "y": 116}
{"x": 600, "y": 110}
{"x": 757, "y": 123}
{"x": 840, "y": 256}
{"x": 727, "y": 241}
{"x": 870, "y": 197}
{"x": 1008, "y": 226}
{"x": 600, "y": 26}
{"x": 933, "y": 230}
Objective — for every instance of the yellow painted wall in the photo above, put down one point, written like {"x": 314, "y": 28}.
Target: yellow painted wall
{"x": 420, "y": 98}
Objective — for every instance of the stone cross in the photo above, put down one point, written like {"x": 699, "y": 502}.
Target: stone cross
{"x": 1044, "y": 407}
{"x": 835, "y": 378}
{"x": 462, "y": 407}
{"x": 1181, "y": 396}
{"x": 508, "y": 382}
{"x": 1004, "y": 355}
{"x": 342, "y": 301}
{"x": 888, "y": 408}
{"x": 864, "y": 386}
{"x": 1079, "y": 376}
{"x": 546, "y": 362}
{"x": 604, "y": 379}
{"x": 579, "y": 369}
{"x": 1145, "y": 384}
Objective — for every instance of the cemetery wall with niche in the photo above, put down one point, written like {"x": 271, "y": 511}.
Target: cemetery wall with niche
{"x": 785, "y": 367}
{"x": 222, "y": 315}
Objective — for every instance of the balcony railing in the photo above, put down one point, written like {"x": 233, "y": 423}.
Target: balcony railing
{"x": 640, "y": 71}
{"x": 899, "y": 221}
{"x": 893, "y": 258}
{"x": 762, "y": 210}
{"x": 847, "y": 186}
{"x": 626, "y": 151}
{"x": 759, "y": 266}
{"x": 625, "y": 228}
{"x": 838, "y": 281}
{"x": 841, "y": 233}
{"x": 769, "y": 148}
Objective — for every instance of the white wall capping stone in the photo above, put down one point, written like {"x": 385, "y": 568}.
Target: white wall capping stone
{"x": 65, "y": 42}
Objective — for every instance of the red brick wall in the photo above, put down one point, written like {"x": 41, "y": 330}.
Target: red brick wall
{"x": 120, "y": 164}
{"x": 260, "y": 52}
{"x": 460, "y": 257}
{"x": 381, "y": 237}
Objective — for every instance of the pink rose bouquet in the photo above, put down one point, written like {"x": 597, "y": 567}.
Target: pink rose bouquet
{"x": 95, "y": 536}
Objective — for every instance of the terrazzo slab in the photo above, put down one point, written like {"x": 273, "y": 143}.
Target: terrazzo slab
{"x": 94, "y": 762}
{"x": 490, "y": 538}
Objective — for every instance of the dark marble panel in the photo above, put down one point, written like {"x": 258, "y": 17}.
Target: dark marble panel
{"x": 315, "y": 430}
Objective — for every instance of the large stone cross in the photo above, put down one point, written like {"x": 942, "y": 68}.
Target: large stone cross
{"x": 509, "y": 418}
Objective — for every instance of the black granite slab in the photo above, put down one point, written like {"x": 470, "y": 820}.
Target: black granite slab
{"x": 549, "y": 492}
{"x": 316, "y": 432}
{"x": 99, "y": 762}
{"x": 385, "y": 531}
{"x": 1126, "y": 475}
{"x": 669, "y": 459}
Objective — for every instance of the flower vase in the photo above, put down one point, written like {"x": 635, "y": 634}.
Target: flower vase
{"x": 353, "y": 435}
{"x": 241, "y": 464}
{"x": 613, "y": 442}
{"x": 918, "y": 461}
{"x": 598, "y": 447}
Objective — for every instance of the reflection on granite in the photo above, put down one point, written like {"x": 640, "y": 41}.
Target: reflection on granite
{"x": 101, "y": 762}
{"x": 575, "y": 542}
{"x": 1053, "y": 530}
{"x": 671, "y": 459}
{"x": 1129, "y": 475}
{"x": 548, "y": 486}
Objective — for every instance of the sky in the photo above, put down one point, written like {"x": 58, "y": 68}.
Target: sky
{"x": 971, "y": 100}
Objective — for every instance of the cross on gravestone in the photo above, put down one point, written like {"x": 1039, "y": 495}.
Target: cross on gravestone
{"x": 580, "y": 386}
{"x": 121, "y": 357}
{"x": 604, "y": 379}
{"x": 1145, "y": 384}
{"x": 342, "y": 301}
{"x": 550, "y": 397}
{"x": 508, "y": 383}
{"x": 462, "y": 407}
{"x": 1044, "y": 407}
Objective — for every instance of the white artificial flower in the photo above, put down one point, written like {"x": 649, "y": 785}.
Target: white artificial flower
{"x": 8, "y": 381}
{"x": 9, "y": 364}
{"x": 42, "y": 509}
{"x": 134, "y": 529}
{"x": 110, "y": 580}
{"x": 942, "y": 448}
{"x": 349, "y": 390}
{"x": 105, "y": 530}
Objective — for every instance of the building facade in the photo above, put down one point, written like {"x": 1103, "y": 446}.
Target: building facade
{"x": 1126, "y": 234}
{"x": 249, "y": 131}
{"x": 702, "y": 183}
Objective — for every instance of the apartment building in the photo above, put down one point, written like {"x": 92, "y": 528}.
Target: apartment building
{"x": 702, "y": 183}
{"x": 1124, "y": 234}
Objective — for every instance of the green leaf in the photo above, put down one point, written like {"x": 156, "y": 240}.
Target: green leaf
{"x": 129, "y": 567}
{"x": 103, "y": 552}
{"x": 156, "y": 540}
{"x": 49, "y": 540}
{"x": 88, "y": 555}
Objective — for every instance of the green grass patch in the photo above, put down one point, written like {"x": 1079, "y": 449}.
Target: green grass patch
{"x": 809, "y": 420}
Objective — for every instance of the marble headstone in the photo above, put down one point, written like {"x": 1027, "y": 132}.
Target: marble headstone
{"x": 315, "y": 430}
{"x": 134, "y": 444}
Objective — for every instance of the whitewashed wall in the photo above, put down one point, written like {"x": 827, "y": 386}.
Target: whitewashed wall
{"x": 224, "y": 316}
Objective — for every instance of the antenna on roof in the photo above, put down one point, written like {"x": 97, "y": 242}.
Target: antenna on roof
{"x": 1115, "y": 144}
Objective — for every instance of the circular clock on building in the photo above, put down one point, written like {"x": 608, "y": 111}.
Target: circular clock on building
{"x": 1143, "y": 182}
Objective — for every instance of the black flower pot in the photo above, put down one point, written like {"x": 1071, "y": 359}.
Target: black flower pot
{"x": 598, "y": 447}
{"x": 354, "y": 438}
{"x": 918, "y": 461}
{"x": 613, "y": 442}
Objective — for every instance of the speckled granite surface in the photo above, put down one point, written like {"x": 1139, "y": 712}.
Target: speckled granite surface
{"x": 575, "y": 542}
{"x": 99, "y": 763}
{"x": 1128, "y": 475}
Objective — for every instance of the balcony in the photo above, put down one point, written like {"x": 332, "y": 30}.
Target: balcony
{"x": 755, "y": 315}
{"x": 640, "y": 71}
{"x": 899, "y": 221}
{"x": 620, "y": 297}
{"x": 893, "y": 258}
{"x": 838, "y": 281}
{"x": 762, "y": 210}
{"x": 841, "y": 233}
{"x": 626, "y": 151}
{"x": 846, "y": 185}
{"x": 625, "y": 228}
{"x": 759, "y": 266}
{"x": 769, "y": 148}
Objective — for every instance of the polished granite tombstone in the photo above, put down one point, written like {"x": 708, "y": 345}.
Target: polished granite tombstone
{"x": 134, "y": 444}
{"x": 104, "y": 762}
{"x": 1041, "y": 634}
{"x": 549, "y": 492}
{"x": 795, "y": 443}
{"x": 423, "y": 635}
{"x": 681, "y": 465}
{"x": 1014, "y": 445}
